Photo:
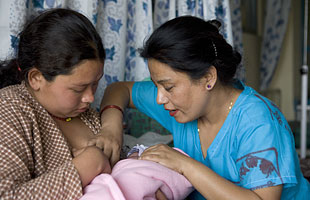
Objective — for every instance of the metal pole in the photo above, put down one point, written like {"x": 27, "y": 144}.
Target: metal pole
{"x": 304, "y": 90}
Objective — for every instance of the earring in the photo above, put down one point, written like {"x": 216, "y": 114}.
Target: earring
{"x": 208, "y": 86}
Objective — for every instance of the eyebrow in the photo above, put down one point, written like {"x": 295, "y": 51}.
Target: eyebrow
{"x": 81, "y": 85}
{"x": 161, "y": 81}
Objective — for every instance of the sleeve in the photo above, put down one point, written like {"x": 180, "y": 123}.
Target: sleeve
{"x": 144, "y": 98}
{"x": 266, "y": 155}
{"x": 20, "y": 177}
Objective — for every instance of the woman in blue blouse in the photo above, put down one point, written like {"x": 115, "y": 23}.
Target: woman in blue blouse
{"x": 240, "y": 145}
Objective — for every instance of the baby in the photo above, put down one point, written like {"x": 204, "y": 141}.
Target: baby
{"x": 133, "y": 179}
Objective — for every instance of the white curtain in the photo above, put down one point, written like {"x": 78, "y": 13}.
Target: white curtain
{"x": 205, "y": 9}
{"x": 236, "y": 27}
{"x": 227, "y": 12}
{"x": 123, "y": 26}
{"x": 277, "y": 12}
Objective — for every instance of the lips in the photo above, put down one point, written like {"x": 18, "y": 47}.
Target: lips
{"x": 173, "y": 112}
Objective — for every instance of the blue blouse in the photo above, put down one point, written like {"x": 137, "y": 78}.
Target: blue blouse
{"x": 253, "y": 149}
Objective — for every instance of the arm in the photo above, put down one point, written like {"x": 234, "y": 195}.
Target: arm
{"x": 207, "y": 182}
{"x": 34, "y": 169}
{"x": 21, "y": 177}
{"x": 17, "y": 177}
{"x": 213, "y": 186}
{"x": 110, "y": 137}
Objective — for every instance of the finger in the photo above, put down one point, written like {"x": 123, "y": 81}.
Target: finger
{"x": 100, "y": 144}
{"x": 114, "y": 157}
{"x": 152, "y": 156}
{"x": 108, "y": 152}
{"x": 150, "y": 149}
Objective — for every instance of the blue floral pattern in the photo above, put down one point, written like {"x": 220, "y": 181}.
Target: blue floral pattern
{"x": 115, "y": 24}
{"x": 123, "y": 26}
{"x": 210, "y": 9}
{"x": 236, "y": 27}
{"x": 274, "y": 31}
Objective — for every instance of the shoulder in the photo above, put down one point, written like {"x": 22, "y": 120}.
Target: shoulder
{"x": 256, "y": 115}
{"x": 17, "y": 106}
{"x": 253, "y": 107}
{"x": 10, "y": 98}
{"x": 9, "y": 93}
{"x": 256, "y": 118}
{"x": 143, "y": 85}
{"x": 144, "y": 92}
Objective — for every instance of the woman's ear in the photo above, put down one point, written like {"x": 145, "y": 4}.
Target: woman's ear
{"x": 35, "y": 79}
{"x": 211, "y": 78}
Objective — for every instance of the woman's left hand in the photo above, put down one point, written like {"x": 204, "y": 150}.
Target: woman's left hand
{"x": 166, "y": 156}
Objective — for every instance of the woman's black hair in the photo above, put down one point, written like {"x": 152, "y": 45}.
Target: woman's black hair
{"x": 54, "y": 42}
{"x": 191, "y": 45}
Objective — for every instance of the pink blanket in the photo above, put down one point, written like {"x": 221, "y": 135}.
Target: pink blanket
{"x": 133, "y": 179}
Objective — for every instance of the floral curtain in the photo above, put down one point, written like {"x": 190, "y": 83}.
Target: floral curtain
{"x": 123, "y": 25}
{"x": 227, "y": 12}
{"x": 276, "y": 19}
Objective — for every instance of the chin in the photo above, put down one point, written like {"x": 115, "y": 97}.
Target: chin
{"x": 182, "y": 120}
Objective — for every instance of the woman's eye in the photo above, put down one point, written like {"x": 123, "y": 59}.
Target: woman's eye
{"x": 168, "y": 88}
{"x": 78, "y": 90}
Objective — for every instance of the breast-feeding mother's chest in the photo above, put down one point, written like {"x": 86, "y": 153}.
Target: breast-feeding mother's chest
{"x": 76, "y": 132}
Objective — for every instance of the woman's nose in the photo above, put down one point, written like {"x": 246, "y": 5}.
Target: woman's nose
{"x": 88, "y": 96}
{"x": 161, "y": 98}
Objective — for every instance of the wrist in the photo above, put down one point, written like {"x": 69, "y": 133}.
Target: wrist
{"x": 187, "y": 166}
{"x": 111, "y": 106}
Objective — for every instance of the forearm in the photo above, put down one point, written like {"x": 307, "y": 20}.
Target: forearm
{"x": 118, "y": 93}
{"x": 213, "y": 186}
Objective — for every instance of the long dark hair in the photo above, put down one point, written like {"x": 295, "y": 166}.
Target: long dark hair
{"x": 191, "y": 45}
{"x": 53, "y": 42}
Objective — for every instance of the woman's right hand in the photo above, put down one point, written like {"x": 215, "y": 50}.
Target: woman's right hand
{"x": 110, "y": 142}
{"x": 110, "y": 138}
{"x": 90, "y": 162}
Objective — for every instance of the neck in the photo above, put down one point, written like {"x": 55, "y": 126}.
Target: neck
{"x": 68, "y": 119}
{"x": 220, "y": 102}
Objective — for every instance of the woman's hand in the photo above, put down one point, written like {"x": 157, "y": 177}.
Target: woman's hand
{"x": 166, "y": 156}
{"x": 110, "y": 143}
